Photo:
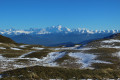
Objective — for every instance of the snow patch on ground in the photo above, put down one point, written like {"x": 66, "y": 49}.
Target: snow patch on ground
{"x": 117, "y": 54}
{"x": 23, "y": 46}
{"x": 19, "y": 66}
{"x": 111, "y": 41}
{"x": 86, "y": 59}
{"x": 85, "y": 48}
{"x": 2, "y": 48}
{"x": 10, "y": 63}
{"x": 15, "y": 48}
{"x": 46, "y": 61}
{"x": 1, "y": 57}
{"x": 60, "y": 48}
{"x": 77, "y": 45}
{"x": 66, "y": 48}
{"x": 49, "y": 60}
{"x": 109, "y": 46}
{"x": 22, "y": 56}
{"x": 51, "y": 57}
{"x": 37, "y": 48}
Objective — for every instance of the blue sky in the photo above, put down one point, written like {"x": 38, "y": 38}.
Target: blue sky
{"x": 90, "y": 14}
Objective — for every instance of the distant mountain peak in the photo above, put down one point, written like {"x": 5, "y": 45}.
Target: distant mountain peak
{"x": 55, "y": 29}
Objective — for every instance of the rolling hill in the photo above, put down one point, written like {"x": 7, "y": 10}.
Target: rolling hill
{"x": 97, "y": 59}
{"x": 4, "y": 39}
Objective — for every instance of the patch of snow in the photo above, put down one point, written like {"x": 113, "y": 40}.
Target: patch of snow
{"x": 1, "y": 57}
{"x": 106, "y": 46}
{"x": 117, "y": 47}
{"x": 2, "y": 48}
{"x": 65, "y": 48}
{"x": 22, "y": 56}
{"x": 5, "y": 59}
{"x": 36, "y": 59}
{"x": 85, "y": 59}
{"x": 77, "y": 45}
{"x": 111, "y": 41}
{"x": 19, "y": 66}
{"x": 61, "y": 48}
{"x": 117, "y": 54}
{"x": 23, "y": 46}
{"x": 37, "y": 48}
{"x": 85, "y": 48}
{"x": 15, "y": 48}
{"x": 109, "y": 46}
{"x": 51, "y": 57}
{"x": 45, "y": 61}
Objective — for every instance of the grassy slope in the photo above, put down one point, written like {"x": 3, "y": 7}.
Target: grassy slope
{"x": 105, "y": 54}
{"x": 39, "y": 54}
{"x": 5, "y": 39}
{"x": 101, "y": 70}
{"x": 39, "y": 72}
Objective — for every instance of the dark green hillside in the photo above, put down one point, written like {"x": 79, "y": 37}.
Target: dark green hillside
{"x": 115, "y": 36}
{"x": 5, "y": 40}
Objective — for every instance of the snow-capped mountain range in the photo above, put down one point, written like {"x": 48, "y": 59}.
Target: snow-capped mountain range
{"x": 56, "y": 35}
{"x": 54, "y": 29}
